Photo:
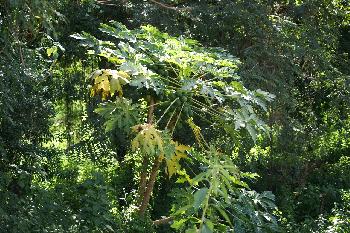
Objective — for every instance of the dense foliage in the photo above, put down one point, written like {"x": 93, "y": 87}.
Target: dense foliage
{"x": 174, "y": 116}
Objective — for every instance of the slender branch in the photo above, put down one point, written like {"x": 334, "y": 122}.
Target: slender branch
{"x": 109, "y": 3}
{"x": 167, "y": 109}
{"x": 153, "y": 175}
{"x": 177, "y": 119}
{"x": 170, "y": 121}
{"x": 205, "y": 208}
{"x": 163, "y": 221}
{"x": 21, "y": 56}
{"x": 150, "y": 111}
{"x": 163, "y": 5}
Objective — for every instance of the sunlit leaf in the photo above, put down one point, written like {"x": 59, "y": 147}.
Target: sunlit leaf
{"x": 148, "y": 139}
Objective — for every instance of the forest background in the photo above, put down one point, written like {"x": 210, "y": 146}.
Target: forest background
{"x": 62, "y": 171}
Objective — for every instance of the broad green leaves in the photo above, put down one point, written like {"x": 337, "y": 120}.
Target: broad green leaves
{"x": 154, "y": 66}
{"x": 152, "y": 60}
{"x": 208, "y": 227}
{"x": 220, "y": 196}
{"x": 119, "y": 115}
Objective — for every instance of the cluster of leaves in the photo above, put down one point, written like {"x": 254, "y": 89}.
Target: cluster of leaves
{"x": 153, "y": 66}
{"x": 220, "y": 201}
{"x": 335, "y": 221}
{"x": 28, "y": 30}
{"x": 24, "y": 97}
{"x": 68, "y": 194}
{"x": 298, "y": 50}
{"x": 160, "y": 65}
{"x": 205, "y": 79}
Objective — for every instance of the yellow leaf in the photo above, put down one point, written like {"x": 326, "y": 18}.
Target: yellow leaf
{"x": 100, "y": 78}
{"x": 181, "y": 147}
{"x": 161, "y": 157}
{"x": 180, "y": 155}
{"x": 115, "y": 86}
{"x": 123, "y": 74}
{"x": 197, "y": 133}
{"x": 104, "y": 95}
{"x": 92, "y": 92}
{"x": 148, "y": 140}
{"x": 108, "y": 82}
{"x": 183, "y": 177}
{"x": 118, "y": 79}
{"x": 173, "y": 165}
{"x": 135, "y": 144}
{"x": 104, "y": 86}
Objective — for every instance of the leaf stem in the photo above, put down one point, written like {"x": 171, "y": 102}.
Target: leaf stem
{"x": 205, "y": 208}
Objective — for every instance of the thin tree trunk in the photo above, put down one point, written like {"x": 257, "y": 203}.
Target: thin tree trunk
{"x": 153, "y": 174}
{"x": 150, "y": 186}
{"x": 150, "y": 111}
{"x": 143, "y": 179}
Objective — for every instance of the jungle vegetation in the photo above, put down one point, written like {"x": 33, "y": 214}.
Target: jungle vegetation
{"x": 156, "y": 116}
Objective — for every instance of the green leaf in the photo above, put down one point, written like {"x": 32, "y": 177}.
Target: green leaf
{"x": 109, "y": 228}
{"x": 238, "y": 87}
{"x": 132, "y": 68}
{"x": 208, "y": 227}
{"x": 110, "y": 124}
{"x": 223, "y": 214}
{"x": 119, "y": 115}
{"x": 144, "y": 81}
{"x": 199, "y": 197}
{"x": 178, "y": 224}
{"x": 119, "y": 31}
{"x": 209, "y": 224}
{"x": 224, "y": 192}
{"x": 182, "y": 210}
{"x": 200, "y": 177}
{"x": 192, "y": 230}
{"x": 86, "y": 39}
{"x": 52, "y": 51}
{"x": 252, "y": 132}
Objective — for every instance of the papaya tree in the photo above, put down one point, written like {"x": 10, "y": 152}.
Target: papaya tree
{"x": 150, "y": 83}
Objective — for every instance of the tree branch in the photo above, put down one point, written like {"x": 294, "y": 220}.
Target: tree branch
{"x": 161, "y": 221}
{"x": 110, "y": 3}
{"x": 150, "y": 110}
{"x": 163, "y": 5}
